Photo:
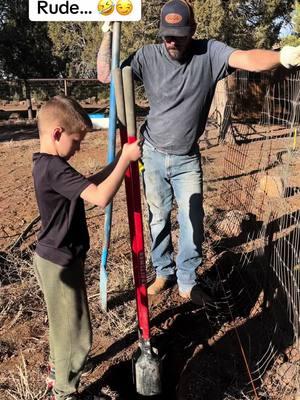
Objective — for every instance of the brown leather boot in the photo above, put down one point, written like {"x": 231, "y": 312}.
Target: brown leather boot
{"x": 159, "y": 285}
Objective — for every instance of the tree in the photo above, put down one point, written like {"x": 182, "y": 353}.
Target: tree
{"x": 76, "y": 45}
{"x": 25, "y": 48}
{"x": 136, "y": 34}
{"x": 296, "y": 18}
{"x": 242, "y": 24}
{"x": 294, "y": 38}
{"x": 210, "y": 17}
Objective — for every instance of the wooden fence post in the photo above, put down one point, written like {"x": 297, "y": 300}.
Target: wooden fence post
{"x": 66, "y": 87}
{"x": 28, "y": 99}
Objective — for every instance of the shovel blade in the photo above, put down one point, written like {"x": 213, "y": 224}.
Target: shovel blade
{"x": 147, "y": 373}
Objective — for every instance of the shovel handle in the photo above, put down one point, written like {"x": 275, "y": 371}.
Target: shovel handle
{"x": 129, "y": 103}
{"x": 110, "y": 157}
{"x": 118, "y": 80}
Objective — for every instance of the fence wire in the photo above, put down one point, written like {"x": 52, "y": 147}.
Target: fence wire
{"x": 251, "y": 156}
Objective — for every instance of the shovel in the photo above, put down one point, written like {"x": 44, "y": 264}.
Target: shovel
{"x": 146, "y": 363}
{"x": 110, "y": 157}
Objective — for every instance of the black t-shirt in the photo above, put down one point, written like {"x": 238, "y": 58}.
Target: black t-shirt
{"x": 63, "y": 235}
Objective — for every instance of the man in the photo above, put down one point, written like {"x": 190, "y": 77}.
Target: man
{"x": 180, "y": 76}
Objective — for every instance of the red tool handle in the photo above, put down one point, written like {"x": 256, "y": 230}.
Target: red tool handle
{"x": 138, "y": 249}
{"x": 133, "y": 194}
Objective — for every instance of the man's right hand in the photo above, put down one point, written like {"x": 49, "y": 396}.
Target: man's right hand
{"x": 132, "y": 151}
{"x": 107, "y": 27}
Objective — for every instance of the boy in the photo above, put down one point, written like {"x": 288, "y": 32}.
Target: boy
{"x": 63, "y": 239}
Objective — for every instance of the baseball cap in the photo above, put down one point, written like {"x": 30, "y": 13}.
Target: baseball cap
{"x": 176, "y": 19}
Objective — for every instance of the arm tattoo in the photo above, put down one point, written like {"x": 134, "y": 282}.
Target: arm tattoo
{"x": 104, "y": 54}
{"x": 104, "y": 58}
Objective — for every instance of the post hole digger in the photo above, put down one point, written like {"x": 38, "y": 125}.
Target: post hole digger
{"x": 146, "y": 364}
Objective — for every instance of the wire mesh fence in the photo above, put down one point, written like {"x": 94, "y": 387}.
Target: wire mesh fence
{"x": 251, "y": 158}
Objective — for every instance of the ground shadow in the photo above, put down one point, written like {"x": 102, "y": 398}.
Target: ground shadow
{"x": 117, "y": 299}
{"x": 291, "y": 191}
{"x": 183, "y": 330}
{"x": 119, "y": 377}
{"x": 17, "y": 132}
{"x": 196, "y": 367}
{"x": 239, "y": 360}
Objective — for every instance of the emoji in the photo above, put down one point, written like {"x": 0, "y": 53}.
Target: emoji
{"x": 124, "y": 7}
{"x": 105, "y": 7}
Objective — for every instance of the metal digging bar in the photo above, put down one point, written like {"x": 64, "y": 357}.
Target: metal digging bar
{"x": 110, "y": 157}
{"x": 146, "y": 363}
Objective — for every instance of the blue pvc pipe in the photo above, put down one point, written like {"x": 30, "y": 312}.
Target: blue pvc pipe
{"x": 110, "y": 157}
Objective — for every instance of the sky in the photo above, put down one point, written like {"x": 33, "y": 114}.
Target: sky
{"x": 285, "y": 30}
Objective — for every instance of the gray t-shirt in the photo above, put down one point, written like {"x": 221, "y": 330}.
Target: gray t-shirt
{"x": 179, "y": 94}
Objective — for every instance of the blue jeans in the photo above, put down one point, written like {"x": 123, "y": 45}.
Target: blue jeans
{"x": 166, "y": 177}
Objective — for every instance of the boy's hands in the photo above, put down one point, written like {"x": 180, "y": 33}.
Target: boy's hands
{"x": 133, "y": 151}
{"x": 290, "y": 56}
{"x": 107, "y": 183}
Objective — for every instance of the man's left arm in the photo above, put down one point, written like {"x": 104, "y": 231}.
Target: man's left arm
{"x": 258, "y": 60}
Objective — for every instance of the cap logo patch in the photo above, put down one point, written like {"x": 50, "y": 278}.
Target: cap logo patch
{"x": 173, "y": 18}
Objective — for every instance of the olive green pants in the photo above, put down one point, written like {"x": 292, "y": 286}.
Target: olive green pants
{"x": 70, "y": 334}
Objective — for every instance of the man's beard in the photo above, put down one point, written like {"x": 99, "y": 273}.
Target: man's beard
{"x": 175, "y": 54}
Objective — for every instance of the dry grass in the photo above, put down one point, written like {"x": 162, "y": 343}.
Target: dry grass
{"x": 23, "y": 387}
{"x": 121, "y": 321}
{"x": 21, "y": 295}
